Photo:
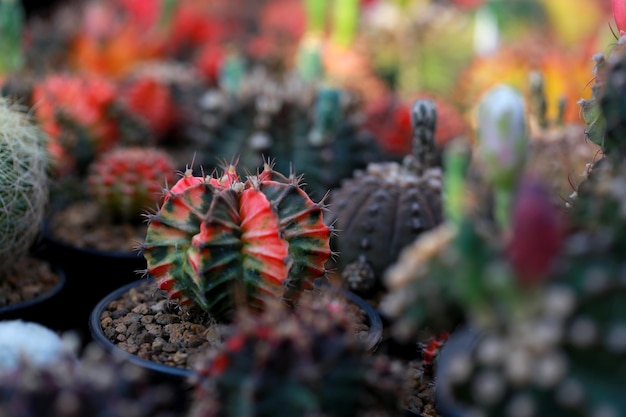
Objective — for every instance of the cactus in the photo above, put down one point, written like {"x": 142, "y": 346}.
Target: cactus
{"x": 29, "y": 342}
{"x": 24, "y": 180}
{"x": 296, "y": 363}
{"x": 221, "y": 240}
{"x": 316, "y": 130}
{"x": 386, "y": 207}
{"x": 94, "y": 385}
{"x": 558, "y": 149}
{"x": 128, "y": 181}
{"x": 74, "y": 112}
{"x": 463, "y": 270}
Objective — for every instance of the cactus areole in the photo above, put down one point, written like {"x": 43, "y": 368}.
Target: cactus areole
{"x": 218, "y": 241}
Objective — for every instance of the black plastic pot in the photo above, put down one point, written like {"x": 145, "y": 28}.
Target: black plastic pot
{"x": 90, "y": 274}
{"x": 42, "y": 309}
{"x": 169, "y": 372}
{"x": 462, "y": 341}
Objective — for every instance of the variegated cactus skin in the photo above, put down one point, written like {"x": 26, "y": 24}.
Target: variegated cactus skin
{"x": 128, "y": 181}
{"x": 385, "y": 207}
{"x": 218, "y": 240}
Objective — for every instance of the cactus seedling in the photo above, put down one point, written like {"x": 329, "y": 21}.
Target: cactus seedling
{"x": 387, "y": 206}
{"x": 128, "y": 181}
{"x": 219, "y": 240}
{"x": 296, "y": 363}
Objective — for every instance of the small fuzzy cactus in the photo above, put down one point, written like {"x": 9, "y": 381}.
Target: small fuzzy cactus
{"x": 94, "y": 384}
{"x": 128, "y": 181}
{"x": 220, "y": 240}
{"x": 315, "y": 129}
{"x": 386, "y": 207}
{"x": 296, "y": 363}
{"x": 24, "y": 167}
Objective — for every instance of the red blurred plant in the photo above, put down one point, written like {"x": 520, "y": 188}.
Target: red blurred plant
{"x": 619, "y": 13}
{"x": 74, "y": 111}
{"x": 537, "y": 234}
{"x": 152, "y": 102}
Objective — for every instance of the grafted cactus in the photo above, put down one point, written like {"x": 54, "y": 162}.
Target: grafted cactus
{"x": 386, "y": 207}
{"x": 128, "y": 181}
{"x": 221, "y": 240}
{"x": 296, "y": 363}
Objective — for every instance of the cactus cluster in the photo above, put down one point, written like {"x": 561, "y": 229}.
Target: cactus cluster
{"x": 298, "y": 362}
{"x": 385, "y": 207}
{"x": 314, "y": 129}
{"x": 24, "y": 166}
{"x": 129, "y": 181}
{"x": 95, "y": 384}
{"x": 221, "y": 240}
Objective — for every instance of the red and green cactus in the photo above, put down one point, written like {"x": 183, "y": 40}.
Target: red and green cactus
{"x": 75, "y": 111}
{"x": 308, "y": 361}
{"x": 220, "y": 240}
{"x": 128, "y": 181}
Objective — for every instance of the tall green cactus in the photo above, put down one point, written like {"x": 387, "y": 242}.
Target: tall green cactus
{"x": 24, "y": 166}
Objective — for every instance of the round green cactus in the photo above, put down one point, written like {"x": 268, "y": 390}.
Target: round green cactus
{"x": 384, "y": 208}
{"x": 24, "y": 167}
{"x": 221, "y": 240}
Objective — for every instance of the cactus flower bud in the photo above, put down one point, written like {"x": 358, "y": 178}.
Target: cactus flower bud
{"x": 619, "y": 14}
{"x": 502, "y": 135}
{"x": 537, "y": 232}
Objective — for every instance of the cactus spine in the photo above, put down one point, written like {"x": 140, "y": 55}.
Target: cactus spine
{"x": 24, "y": 183}
{"x": 221, "y": 240}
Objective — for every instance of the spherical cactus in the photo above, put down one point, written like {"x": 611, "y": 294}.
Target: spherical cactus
{"x": 128, "y": 181}
{"x": 317, "y": 130}
{"x": 296, "y": 363}
{"x": 219, "y": 241}
{"x": 74, "y": 112}
{"x": 91, "y": 385}
{"x": 24, "y": 181}
{"x": 384, "y": 208}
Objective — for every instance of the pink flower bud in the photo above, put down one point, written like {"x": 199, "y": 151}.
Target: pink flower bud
{"x": 619, "y": 13}
{"x": 537, "y": 232}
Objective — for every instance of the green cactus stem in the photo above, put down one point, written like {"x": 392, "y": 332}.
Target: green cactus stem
{"x": 11, "y": 24}
{"x": 218, "y": 241}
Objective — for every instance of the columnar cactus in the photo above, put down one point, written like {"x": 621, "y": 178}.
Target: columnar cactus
{"x": 315, "y": 129}
{"x": 128, "y": 181}
{"x": 387, "y": 206}
{"x": 220, "y": 240}
{"x": 24, "y": 183}
{"x": 296, "y": 363}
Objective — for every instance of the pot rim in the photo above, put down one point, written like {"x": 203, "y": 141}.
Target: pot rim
{"x": 374, "y": 337}
{"x": 55, "y": 290}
